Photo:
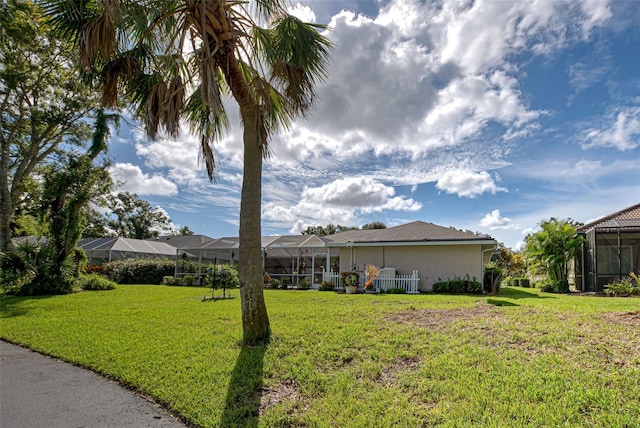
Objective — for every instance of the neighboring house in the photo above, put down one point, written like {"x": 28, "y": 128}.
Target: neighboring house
{"x": 291, "y": 256}
{"x": 104, "y": 250}
{"x": 436, "y": 252}
{"x": 611, "y": 249}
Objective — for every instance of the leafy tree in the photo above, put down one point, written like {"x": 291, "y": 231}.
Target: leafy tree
{"x": 176, "y": 60}
{"x": 329, "y": 229}
{"x": 374, "y": 225}
{"x": 43, "y": 104}
{"x": 95, "y": 224}
{"x": 69, "y": 187}
{"x": 26, "y": 219}
{"x": 552, "y": 249}
{"x": 135, "y": 217}
{"x": 511, "y": 262}
{"x": 185, "y": 231}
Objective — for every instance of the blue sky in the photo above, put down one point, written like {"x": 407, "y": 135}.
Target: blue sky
{"x": 483, "y": 115}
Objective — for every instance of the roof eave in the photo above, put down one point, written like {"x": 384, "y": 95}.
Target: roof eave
{"x": 428, "y": 243}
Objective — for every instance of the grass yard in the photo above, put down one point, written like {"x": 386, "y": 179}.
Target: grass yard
{"x": 519, "y": 359}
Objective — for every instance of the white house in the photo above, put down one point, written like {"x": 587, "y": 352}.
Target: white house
{"x": 435, "y": 252}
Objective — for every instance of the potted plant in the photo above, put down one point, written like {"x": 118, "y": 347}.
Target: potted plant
{"x": 350, "y": 281}
{"x": 372, "y": 273}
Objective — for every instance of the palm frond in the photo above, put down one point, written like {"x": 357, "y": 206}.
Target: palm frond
{"x": 267, "y": 9}
{"x": 97, "y": 37}
{"x": 121, "y": 68}
{"x": 67, "y": 17}
{"x": 173, "y": 106}
{"x": 211, "y": 124}
{"x": 148, "y": 92}
{"x": 298, "y": 56}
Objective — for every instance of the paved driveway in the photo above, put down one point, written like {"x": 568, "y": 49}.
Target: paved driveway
{"x": 38, "y": 391}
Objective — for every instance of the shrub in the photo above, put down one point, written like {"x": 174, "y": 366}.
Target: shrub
{"x": 222, "y": 276}
{"x": 492, "y": 278}
{"x": 304, "y": 284}
{"x": 349, "y": 278}
{"x": 274, "y": 283}
{"x": 139, "y": 271}
{"x": 187, "y": 280}
{"x": 94, "y": 282}
{"x": 32, "y": 269}
{"x": 327, "y": 286}
{"x": 549, "y": 286}
{"x": 285, "y": 282}
{"x": 521, "y": 282}
{"x": 623, "y": 288}
{"x": 563, "y": 286}
{"x": 458, "y": 286}
{"x": 169, "y": 280}
{"x": 99, "y": 269}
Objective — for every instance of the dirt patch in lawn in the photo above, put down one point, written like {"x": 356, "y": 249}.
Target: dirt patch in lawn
{"x": 390, "y": 374}
{"x": 441, "y": 319}
{"x": 587, "y": 340}
{"x": 629, "y": 318}
{"x": 286, "y": 392}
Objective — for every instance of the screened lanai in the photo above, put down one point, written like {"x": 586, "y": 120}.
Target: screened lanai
{"x": 611, "y": 249}
{"x": 287, "y": 258}
{"x": 104, "y": 250}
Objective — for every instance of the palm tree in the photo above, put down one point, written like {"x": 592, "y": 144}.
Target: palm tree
{"x": 175, "y": 60}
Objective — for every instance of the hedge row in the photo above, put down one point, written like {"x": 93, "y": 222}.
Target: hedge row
{"x": 139, "y": 271}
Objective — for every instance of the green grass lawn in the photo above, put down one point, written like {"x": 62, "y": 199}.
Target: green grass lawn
{"x": 519, "y": 359}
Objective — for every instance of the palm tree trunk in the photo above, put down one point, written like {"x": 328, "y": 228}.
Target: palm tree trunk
{"x": 255, "y": 321}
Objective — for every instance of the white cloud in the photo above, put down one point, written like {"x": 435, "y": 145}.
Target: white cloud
{"x": 494, "y": 220}
{"x": 575, "y": 173}
{"x": 302, "y": 12}
{"x": 468, "y": 183}
{"x": 421, "y": 77}
{"x": 597, "y": 12}
{"x": 135, "y": 181}
{"x": 341, "y": 201}
{"x": 622, "y": 131}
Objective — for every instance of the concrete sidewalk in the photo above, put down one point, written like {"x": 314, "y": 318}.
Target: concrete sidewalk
{"x": 38, "y": 391}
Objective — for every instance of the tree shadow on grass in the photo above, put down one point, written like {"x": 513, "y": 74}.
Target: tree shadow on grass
{"x": 497, "y": 302}
{"x": 242, "y": 405}
{"x": 519, "y": 293}
{"x": 11, "y": 306}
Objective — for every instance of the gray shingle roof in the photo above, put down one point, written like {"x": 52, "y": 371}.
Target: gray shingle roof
{"x": 417, "y": 231}
{"x": 183, "y": 241}
{"x": 627, "y": 217}
{"x": 127, "y": 245}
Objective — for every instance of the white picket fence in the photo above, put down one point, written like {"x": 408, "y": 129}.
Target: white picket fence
{"x": 407, "y": 282}
{"x": 334, "y": 278}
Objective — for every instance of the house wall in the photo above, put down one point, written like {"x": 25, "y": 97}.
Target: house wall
{"x": 431, "y": 262}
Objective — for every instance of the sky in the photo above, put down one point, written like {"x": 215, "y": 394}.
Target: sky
{"x": 485, "y": 115}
